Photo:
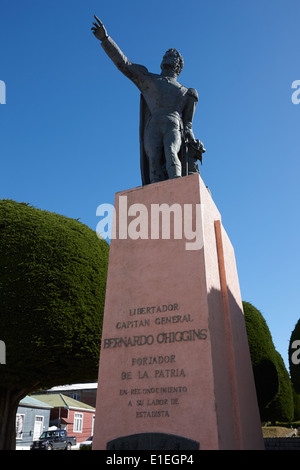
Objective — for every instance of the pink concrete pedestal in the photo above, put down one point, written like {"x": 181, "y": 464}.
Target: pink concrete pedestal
{"x": 174, "y": 357}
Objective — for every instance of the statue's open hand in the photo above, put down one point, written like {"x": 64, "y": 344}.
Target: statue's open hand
{"x": 99, "y": 29}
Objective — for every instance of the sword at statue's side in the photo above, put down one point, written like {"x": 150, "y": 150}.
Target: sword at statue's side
{"x": 184, "y": 154}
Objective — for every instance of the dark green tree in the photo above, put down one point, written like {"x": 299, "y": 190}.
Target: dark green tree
{"x": 296, "y": 398}
{"x": 52, "y": 289}
{"x": 273, "y": 384}
{"x": 263, "y": 357}
{"x": 281, "y": 408}
{"x": 294, "y": 357}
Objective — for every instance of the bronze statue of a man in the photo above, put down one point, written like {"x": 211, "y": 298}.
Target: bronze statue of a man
{"x": 167, "y": 110}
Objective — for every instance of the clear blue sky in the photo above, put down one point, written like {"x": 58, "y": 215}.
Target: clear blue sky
{"x": 69, "y": 129}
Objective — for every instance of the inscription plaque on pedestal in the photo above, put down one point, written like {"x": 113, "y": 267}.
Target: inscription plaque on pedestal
{"x": 175, "y": 369}
{"x": 152, "y": 441}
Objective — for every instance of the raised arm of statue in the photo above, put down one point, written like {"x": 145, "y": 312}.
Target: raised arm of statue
{"x": 99, "y": 29}
{"x": 132, "y": 71}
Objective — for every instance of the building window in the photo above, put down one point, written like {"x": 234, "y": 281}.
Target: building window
{"x": 75, "y": 395}
{"x": 19, "y": 426}
{"x": 78, "y": 420}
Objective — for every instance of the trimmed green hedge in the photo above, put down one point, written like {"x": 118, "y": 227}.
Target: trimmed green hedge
{"x": 263, "y": 359}
{"x": 52, "y": 289}
{"x": 294, "y": 356}
{"x": 281, "y": 408}
{"x": 273, "y": 385}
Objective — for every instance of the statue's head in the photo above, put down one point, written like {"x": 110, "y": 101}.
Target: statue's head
{"x": 172, "y": 60}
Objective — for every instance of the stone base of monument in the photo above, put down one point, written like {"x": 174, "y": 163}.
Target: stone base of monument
{"x": 175, "y": 370}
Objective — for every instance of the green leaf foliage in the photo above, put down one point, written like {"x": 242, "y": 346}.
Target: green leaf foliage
{"x": 263, "y": 357}
{"x": 296, "y": 398}
{"x": 294, "y": 357}
{"x": 281, "y": 407}
{"x": 273, "y": 384}
{"x": 52, "y": 288}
